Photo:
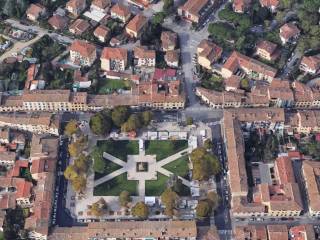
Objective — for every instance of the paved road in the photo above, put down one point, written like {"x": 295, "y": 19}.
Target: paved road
{"x": 18, "y": 46}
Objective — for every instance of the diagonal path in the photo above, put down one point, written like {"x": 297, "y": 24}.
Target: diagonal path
{"x": 168, "y": 174}
{"x": 114, "y": 159}
{"x": 109, "y": 176}
{"x": 171, "y": 158}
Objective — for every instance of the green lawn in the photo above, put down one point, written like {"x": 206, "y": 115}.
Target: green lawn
{"x": 165, "y": 148}
{"x": 119, "y": 149}
{"x": 110, "y": 167}
{"x": 1, "y": 236}
{"x": 156, "y": 187}
{"x": 107, "y": 86}
{"x": 179, "y": 167}
{"x": 115, "y": 186}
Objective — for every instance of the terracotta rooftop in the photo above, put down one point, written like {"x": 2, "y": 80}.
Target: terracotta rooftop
{"x": 76, "y": 3}
{"x": 312, "y": 62}
{"x": 209, "y": 50}
{"x": 84, "y": 48}
{"x": 194, "y": 6}
{"x": 311, "y": 174}
{"x": 101, "y": 3}
{"x": 267, "y": 46}
{"x": 302, "y": 232}
{"x": 137, "y": 23}
{"x": 241, "y": 5}
{"x": 269, "y": 3}
{"x": 238, "y": 60}
{"x": 169, "y": 39}
{"x": 58, "y": 21}
{"x": 137, "y": 229}
{"x": 114, "y": 53}
{"x": 27, "y": 118}
{"x": 253, "y": 232}
{"x": 143, "y": 52}
{"x": 289, "y": 30}
{"x": 120, "y": 10}
{"x": 101, "y": 31}
{"x": 35, "y": 9}
{"x": 277, "y": 232}
{"x": 172, "y": 56}
{"x": 79, "y": 26}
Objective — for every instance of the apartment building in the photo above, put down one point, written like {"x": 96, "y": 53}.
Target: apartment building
{"x": 114, "y": 59}
{"x": 100, "y": 5}
{"x": 144, "y": 57}
{"x": 305, "y": 96}
{"x": 82, "y": 53}
{"x": 121, "y": 12}
{"x": 54, "y": 100}
{"x": 310, "y": 64}
{"x": 272, "y": 5}
{"x": 136, "y": 26}
{"x": 7, "y": 158}
{"x": 289, "y": 33}
{"x": 241, "y": 6}
{"x": 303, "y": 121}
{"x": 35, "y": 11}
{"x": 129, "y": 230}
{"x": 43, "y": 157}
{"x": 254, "y": 69}
{"x": 76, "y": 7}
{"x": 31, "y": 122}
{"x": 172, "y": 58}
{"x": 102, "y": 33}
{"x": 282, "y": 196}
{"x": 280, "y": 93}
{"x": 267, "y": 50}
{"x": 169, "y": 40}
{"x": 192, "y": 10}
{"x": 79, "y": 26}
{"x": 311, "y": 175}
{"x": 208, "y": 53}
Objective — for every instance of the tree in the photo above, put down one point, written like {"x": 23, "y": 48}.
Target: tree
{"x": 70, "y": 173}
{"x": 146, "y": 117}
{"x": 99, "y": 164}
{"x": 167, "y": 6}
{"x": 9, "y": 8}
{"x": 119, "y": 115}
{"x": 203, "y": 209}
{"x": 79, "y": 183}
{"x": 208, "y": 144}
{"x": 189, "y": 121}
{"x": 100, "y": 124}
{"x": 158, "y": 18}
{"x": 124, "y": 198}
{"x": 140, "y": 210}
{"x": 287, "y": 3}
{"x": 213, "y": 199}
{"x": 170, "y": 199}
{"x": 244, "y": 84}
{"x": 82, "y": 163}
{"x": 204, "y": 164}
{"x": 13, "y": 223}
{"x": 71, "y": 128}
{"x": 74, "y": 149}
{"x": 99, "y": 208}
{"x": 132, "y": 124}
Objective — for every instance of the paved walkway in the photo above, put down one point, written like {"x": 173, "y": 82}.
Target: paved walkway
{"x": 114, "y": 159}
{"x": 109, "y": 176}
{"x": 130, "y": 167}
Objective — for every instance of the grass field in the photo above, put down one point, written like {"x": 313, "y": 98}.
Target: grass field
{"x": 107, "y": 86}
{"x": 165, "y": 148}
{"x": 179, "y": 167}
{"x": 156, "y": 187}
{"x": 115, "y": 186}
{"x": 110, "y": 167}
{"x": 119, "y": 149}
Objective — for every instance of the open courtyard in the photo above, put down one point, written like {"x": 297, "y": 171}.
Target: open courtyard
{"x": 142, "y": 168}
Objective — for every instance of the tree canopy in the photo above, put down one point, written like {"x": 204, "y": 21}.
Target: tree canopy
{"x": 140, "y": 210}
{"x": 170, "y": 199}
{"x": 203, "y": 209}
{"x": 124, "y": 198}
{"x": 99, "y": 208}
{"x": 120, "y": 115}
{"x": 71, "y": 128}
{"x": 100, "y": 123}
{"x": 204, "y": 163}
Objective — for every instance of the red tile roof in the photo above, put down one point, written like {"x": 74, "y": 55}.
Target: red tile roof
{"x": 84, "y": 48}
